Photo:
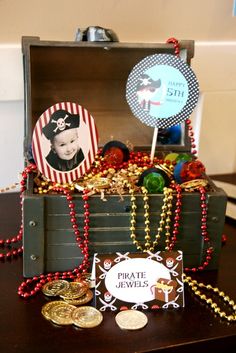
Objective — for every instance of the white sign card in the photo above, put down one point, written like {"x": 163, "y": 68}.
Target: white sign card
{"x": 139, "y": 280}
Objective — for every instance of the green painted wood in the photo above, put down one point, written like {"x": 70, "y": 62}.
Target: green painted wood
{"x": 65, "y": 264}
{"x": 101, "y": 220}
{"x": 33, "y": 236}
{"x": 62, "y": 250}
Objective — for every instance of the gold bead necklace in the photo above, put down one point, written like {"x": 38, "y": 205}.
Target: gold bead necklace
{"x": 195, "y": 287}
{"x": 164, "y": 223}
{"x": 8, "y": 188}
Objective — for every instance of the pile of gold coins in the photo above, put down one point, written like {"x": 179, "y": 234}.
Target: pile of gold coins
{"x": 65, "y": 310}
{"x": 70, "y": 309}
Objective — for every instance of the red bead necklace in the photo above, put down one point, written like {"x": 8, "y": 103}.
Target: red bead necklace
{"x": 177, "y": 211}
{"x": 8, "y": 243}
{"x": 204, "y": 233}
{"x": 174, "y": 41}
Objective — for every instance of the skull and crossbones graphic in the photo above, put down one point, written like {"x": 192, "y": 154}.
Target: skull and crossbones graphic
{"x": 61, "y": 123}
{"x": 107, "y": 302}
{"x": 107, "y": 264}
{"x": 169, "y": 262}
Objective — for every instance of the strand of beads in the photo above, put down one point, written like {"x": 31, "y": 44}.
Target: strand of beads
{"x": 8, "y": 188}
{"x": 147, "y": 221}
{"x": 31, "y": 286}
{"x": 147, "y": 237}
{"x": 191, "y": 136}
{"x": 204, "y": 233}
{"x": 176, "y": 44}
{"x": 177, "y": 213}
{"x": 8, "y": 243}
{"x": 196, "y": 286}
{"x": 165, "y": 218}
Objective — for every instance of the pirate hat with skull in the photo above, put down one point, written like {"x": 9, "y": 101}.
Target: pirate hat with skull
{"x": 60, "y": 120}
{"x": 146, "y": 82}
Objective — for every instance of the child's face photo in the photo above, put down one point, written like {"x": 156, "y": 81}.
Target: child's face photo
{"x": 66, "y": 144}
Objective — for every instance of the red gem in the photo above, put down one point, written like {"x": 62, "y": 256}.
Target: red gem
{"x": 114, "y": 155}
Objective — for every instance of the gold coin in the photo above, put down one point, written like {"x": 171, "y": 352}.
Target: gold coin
{"x": 87, "y": 317}
{"x": 47, "y": 307}
{"x": 75, "y": 290}
{"x": 55, "y": 287}
{"x": 131, "y": 319}
{"x": 194, "y": 184}
{"x": 61, "y": 314}
{"x": 82, "y": 300}
{"x": 101, "y": 183}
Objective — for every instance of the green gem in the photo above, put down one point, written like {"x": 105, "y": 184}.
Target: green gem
{"x": 184, "y": 157}
{"x": 154, "y": 183}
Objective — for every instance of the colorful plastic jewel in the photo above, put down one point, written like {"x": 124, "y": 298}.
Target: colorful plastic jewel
{"x": 114, "y": 155}
{"x": 184, "y": 157}
{"x": 171, "y": 157}
{"x": 185, "y": 171}
{"x": 154, "y": 183}
{"x": 115, "y": 152}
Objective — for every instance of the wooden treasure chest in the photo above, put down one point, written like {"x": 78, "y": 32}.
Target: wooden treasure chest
{"x": 94, "y": 75}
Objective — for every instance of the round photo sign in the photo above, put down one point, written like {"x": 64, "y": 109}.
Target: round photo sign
{"x": 162, "y": 90}
{"x": 64, "y": 142}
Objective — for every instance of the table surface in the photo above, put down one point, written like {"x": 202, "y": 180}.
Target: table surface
{"x": 23, "y": 329}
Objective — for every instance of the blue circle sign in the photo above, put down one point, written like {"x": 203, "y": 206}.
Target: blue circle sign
{"x": 162, "y": 90}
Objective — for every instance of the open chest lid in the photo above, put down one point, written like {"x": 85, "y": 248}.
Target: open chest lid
{"x": 94, "y": 75}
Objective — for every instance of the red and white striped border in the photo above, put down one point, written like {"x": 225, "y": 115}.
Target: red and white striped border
{"x": 40, "y": 161}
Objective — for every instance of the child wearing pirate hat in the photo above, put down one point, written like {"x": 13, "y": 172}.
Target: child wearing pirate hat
{"x": 61, "y": 130}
